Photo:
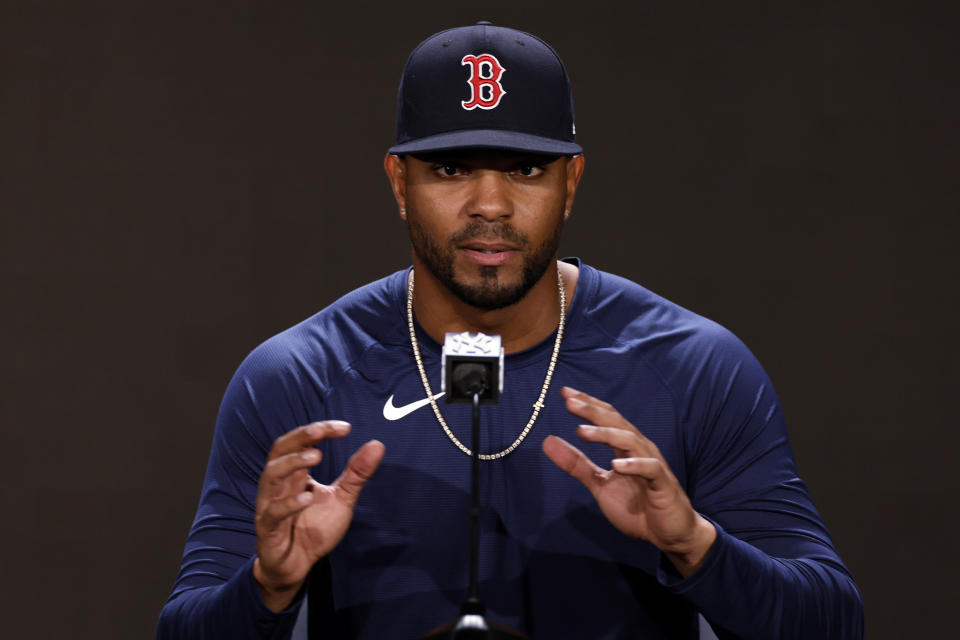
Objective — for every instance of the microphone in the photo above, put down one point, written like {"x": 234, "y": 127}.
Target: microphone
{"x": 470, "y": 378}
{"x": 472, "y": 363}
{"x": 472, "y": 372}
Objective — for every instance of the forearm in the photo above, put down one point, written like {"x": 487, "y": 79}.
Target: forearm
{"x": 749, "y": 594}
{"x": 233, "y": 609}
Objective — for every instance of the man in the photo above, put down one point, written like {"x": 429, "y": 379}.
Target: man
{"x": 699, "y": 510}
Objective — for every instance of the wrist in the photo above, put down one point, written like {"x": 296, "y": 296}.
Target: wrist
{"x": 276, "y": 596}
{"x": 688, "y": 555}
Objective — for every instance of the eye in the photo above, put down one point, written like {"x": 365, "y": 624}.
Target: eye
{"x": 448, "y": 169}
{"x": 529, "y": 170}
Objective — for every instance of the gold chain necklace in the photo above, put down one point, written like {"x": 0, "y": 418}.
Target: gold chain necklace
{"x": 537, "y": 406}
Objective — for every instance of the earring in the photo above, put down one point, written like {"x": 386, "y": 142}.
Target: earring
{"x": 566, "y": 214}
{"x": 403, "y": 212}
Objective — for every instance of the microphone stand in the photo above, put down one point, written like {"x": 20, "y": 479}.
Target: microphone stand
{"x": 472, "y": 625}
{"x": 473, "y": 600}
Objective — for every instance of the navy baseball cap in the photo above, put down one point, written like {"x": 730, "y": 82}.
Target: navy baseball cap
{"x": 485, "y": 86}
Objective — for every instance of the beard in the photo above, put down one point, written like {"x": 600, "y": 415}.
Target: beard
{"x": 491, "y": 293}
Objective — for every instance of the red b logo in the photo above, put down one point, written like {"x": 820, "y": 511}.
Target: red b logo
{"x": 485, "y": 87}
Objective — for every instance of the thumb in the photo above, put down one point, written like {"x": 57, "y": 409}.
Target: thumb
{"x": 361, "y": 466}
{"x": 573, "y": 461}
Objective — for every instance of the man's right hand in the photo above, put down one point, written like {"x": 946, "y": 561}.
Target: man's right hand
{"x": 298, "y": 519}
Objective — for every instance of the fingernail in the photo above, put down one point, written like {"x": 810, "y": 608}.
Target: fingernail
{"x": 309, "y": 454}
{"x": 620, "y": 463}
{"x": 585, "y": 428}
{"x": 576, "y": 403}
{"x": 305, "y": 497}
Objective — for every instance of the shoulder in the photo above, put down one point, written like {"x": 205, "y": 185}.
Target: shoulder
{"x": 325, "y": 344}
{"x": 720, "y": 391}
{"x": 690, "y": 354}
{"x": 631, "y": 314}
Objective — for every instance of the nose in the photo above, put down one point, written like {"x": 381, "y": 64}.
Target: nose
{"x": 489, "y": 196}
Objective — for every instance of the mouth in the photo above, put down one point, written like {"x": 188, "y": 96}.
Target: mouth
{"x": 488, "y": 253}
{"x": 488, "y": 247}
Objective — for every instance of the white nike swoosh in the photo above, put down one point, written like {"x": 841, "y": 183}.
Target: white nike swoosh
{"x": 391, "y": 412}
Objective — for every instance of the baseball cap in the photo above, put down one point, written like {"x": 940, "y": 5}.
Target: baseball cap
{"x": 485, "y": 86}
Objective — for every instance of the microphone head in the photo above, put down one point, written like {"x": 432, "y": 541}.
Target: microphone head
{"x": 472, "y": 363}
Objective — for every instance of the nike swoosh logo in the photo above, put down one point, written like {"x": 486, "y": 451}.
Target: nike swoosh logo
{"x": 391, "y": 412}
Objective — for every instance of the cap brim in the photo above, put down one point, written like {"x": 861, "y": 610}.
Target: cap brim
{"x": 488, "y": 139}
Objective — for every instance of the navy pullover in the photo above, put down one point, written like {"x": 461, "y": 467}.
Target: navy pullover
{"x": 551, "y": 564}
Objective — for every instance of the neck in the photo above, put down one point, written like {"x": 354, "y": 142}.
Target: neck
{"x": 520, "y": 326}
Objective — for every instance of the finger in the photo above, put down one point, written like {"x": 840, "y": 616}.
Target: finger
{"x": 604, "y": 414}
{"x": 280, "y": 472}
{"x": 570, "y": 392}
{"x": 308, "y": 435}
{"x": 285, "y": 465}
{"x": 653, "y": 470}
{"x": 627, "y": 443}
{"x": 573, "y": 461}
{"x": 359, "y": 469}
{"x": 595, "y": 410}
{"x": 277, "y": 511}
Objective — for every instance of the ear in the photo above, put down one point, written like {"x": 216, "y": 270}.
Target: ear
{"x": 396, "y": 168}
{"x": 574, "y": 173}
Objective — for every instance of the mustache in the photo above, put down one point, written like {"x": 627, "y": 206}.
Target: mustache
{"x": 477, "y": 230}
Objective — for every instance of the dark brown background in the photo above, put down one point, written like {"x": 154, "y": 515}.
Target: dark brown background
{"x": 179, "y": 182}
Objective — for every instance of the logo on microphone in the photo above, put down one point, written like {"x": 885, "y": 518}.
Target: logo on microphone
{"x": 485, "y": 88}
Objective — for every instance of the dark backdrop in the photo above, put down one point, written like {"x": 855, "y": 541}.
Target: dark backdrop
{"x": 181, "y": 180}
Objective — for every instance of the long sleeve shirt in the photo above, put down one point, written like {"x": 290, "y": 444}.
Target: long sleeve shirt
{"x": 551, "y": 565}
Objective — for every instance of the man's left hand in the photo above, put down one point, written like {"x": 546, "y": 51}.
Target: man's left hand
{"x": 640, "y": 496}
